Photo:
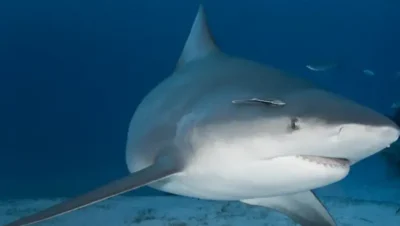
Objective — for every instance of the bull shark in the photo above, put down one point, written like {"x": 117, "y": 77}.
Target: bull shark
{"x": 225, "y": 128}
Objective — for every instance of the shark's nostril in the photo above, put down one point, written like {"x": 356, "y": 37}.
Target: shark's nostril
{"x": 390, "y": 132}
{"x": 340, "y": 130}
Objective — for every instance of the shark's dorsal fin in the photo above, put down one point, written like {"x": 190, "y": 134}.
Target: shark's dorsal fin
{"x": 200, "y": 42}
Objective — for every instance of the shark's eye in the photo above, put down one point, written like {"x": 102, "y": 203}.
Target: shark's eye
{"x": 294, "y": 124}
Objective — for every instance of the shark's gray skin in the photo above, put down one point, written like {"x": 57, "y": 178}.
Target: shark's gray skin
{"x": 226, "y": 128}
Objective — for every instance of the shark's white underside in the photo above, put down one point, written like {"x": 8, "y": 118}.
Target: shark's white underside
{"x": 228, "y": 180}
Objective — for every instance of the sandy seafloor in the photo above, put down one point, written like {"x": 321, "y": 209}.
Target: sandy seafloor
{"x": 378, "y": 205}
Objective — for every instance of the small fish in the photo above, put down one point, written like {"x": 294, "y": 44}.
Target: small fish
{"x": 320, "y": 67}
{"x": 368, "y": 72}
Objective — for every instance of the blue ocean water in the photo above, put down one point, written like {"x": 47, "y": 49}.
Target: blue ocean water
{"x": 72, "y": 73}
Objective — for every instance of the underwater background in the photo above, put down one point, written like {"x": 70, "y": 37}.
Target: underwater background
{"x": 73, "y": 71}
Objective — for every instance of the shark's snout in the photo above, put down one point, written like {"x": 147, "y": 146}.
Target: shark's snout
{"x": 381, "y": 127}
{"x": 358, "y": 140}
{"x": 389, "y": 132}
{"x": 379, "y": 134}
{"x": 339, "y": 127}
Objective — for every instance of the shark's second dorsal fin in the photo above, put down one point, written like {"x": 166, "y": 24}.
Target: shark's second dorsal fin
{"x": 200, "y": 42}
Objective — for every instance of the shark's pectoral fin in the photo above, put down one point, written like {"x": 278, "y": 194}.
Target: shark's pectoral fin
{"x": 303, "y": 208}
{"x": 162, "y": 168}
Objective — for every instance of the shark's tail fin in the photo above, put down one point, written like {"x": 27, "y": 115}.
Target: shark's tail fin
{"x": 157, "y": 171}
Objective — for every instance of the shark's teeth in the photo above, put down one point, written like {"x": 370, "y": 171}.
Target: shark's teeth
{"x": 326, "y": 161}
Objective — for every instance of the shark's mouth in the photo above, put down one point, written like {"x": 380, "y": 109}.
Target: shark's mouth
{"x": 327, "y": 161}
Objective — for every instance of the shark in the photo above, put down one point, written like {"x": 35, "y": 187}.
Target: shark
{"x": 225, "y": 128}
